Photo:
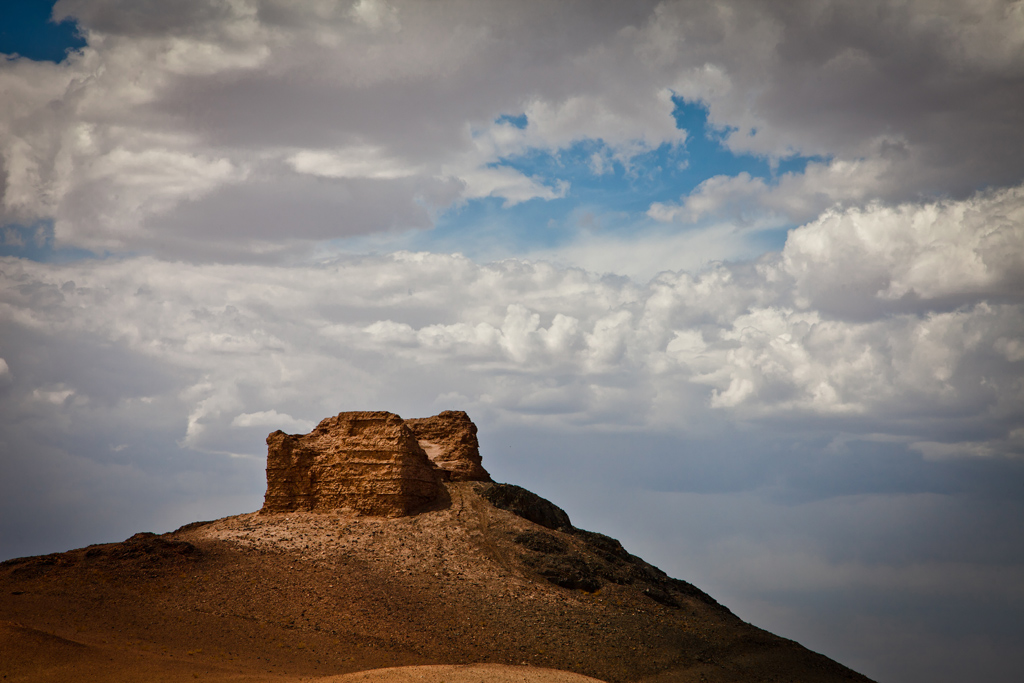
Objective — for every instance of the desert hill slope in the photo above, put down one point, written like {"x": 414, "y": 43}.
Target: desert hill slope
{"x": 482, "y": 573}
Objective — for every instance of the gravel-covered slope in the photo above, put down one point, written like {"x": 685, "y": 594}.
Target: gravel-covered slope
{"x": 313, "y": 594}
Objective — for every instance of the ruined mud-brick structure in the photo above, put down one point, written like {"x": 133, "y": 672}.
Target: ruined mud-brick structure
{"x": 371, "y": 463}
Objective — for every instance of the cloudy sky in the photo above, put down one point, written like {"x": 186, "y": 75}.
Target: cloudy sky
{"x": 740, "y": 283}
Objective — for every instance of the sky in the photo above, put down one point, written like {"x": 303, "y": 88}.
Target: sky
{"x": 738, "y": 283}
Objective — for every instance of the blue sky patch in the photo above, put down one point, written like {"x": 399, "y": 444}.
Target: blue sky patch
{"x": 35, "y": 242}
{"x": 519, "y": 121}
{"x": 610, "y": 195}
{"x": 26, "y": 29}
{"x": 660, "y": 175}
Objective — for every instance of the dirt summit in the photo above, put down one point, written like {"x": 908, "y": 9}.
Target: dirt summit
{"x": 383, "y": 552}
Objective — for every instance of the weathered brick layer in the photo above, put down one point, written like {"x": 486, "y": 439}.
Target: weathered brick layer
{"x": 370, "y": 463}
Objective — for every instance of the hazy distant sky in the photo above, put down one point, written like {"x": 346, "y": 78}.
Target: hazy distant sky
{"x": 740, "y": 283}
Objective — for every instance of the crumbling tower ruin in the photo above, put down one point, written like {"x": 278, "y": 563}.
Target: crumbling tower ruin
{"x": 371, "y": 463}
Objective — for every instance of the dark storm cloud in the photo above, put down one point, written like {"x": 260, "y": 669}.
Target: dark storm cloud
{"x": 290, "y": 206}
{"x": 123, "y": 17}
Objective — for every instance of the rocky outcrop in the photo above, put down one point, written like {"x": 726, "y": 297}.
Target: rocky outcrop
{"x": 450, "y": 442}
{"x": 527, "y": 505}
{"x": 371, "y": 463}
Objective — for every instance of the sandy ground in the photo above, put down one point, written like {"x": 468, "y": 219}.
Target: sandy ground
{"x": 31, "y": 655}
{"x": 469, "y": 673}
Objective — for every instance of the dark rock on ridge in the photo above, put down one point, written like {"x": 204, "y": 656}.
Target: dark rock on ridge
{"x": 586, "y": 560}
{"x": 527, "y": 505}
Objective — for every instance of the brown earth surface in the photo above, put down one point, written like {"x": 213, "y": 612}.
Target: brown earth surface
{"x": 464, "y": 673}
{"x": 307, "y": 595}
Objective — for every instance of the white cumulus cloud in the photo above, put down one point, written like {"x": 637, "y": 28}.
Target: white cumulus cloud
{"x": 893, "y": 318}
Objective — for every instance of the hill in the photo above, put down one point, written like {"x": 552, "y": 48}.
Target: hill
{"x": 481, "y": 573}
